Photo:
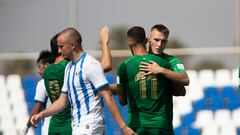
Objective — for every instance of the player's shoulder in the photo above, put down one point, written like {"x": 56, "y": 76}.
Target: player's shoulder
{"x": 52, "y": 68}
{"x": 128, "y": 60}
{"x": 40, "y": 82}
{"x": 170, "y": 58}
{"x": 89, "y": 59}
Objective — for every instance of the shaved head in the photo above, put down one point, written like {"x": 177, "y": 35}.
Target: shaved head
{"x": 72, "y": 35}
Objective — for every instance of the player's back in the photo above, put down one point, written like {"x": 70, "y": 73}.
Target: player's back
{"x": 146, "y": 94}
{"x": 53, "y": 78}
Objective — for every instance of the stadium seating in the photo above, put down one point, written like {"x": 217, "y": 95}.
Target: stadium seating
{"x": 217, "y": 112}
{"x": 13, "y": 114}
{"x": 211, "y": 105}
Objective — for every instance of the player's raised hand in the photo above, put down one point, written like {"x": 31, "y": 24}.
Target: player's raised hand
{"x": 35, "y": 118}
{"x": 106, "y": 58}
{"x": 104, "y": 36}
{"x": 150, "y": 68}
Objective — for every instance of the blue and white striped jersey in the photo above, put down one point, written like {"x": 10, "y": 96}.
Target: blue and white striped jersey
{"x": 82, "y": 80}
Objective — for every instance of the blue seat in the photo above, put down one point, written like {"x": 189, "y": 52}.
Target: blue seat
{"x": 228, "y": 92}
{"x": 194, "y": 131}
{"x": 186, "y": 130}
{"x": 238, "y": 131}
{"x": 199, "y": 105}
{"x": 210, "y": 92}
{"x": 188, "y": 119}
{"x": 233, "y": 103}
{"x": 217, "y": 103}
{"x": 29, "y": 83}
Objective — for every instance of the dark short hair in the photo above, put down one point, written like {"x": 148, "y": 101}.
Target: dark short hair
{"x": 54, "y": 46}
{"x": 45, "y": 56}
{"x": 137, "y": 34}
{"x": 161, "y": 28}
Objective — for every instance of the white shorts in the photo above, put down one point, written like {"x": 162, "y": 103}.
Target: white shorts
{"x": 45, "y": 125}
{"x": 89, "y": 129}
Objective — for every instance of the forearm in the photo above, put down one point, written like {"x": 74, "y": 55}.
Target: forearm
{"x": 106, "y": 58}
{"x": 55, "y": 108}
{"x": 112, "y": 106}
{"x": 177, "y": 89}
{"x": 113, "y": 87}
{"x": 178, "y": 77}
{"x": 36, "y": 109}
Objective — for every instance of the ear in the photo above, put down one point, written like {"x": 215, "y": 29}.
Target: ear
{"x": 72, "y": 45}
{"x": 148, "y": 38}
{"x": 130, "y": 42}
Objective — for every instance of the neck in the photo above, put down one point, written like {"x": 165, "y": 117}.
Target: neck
{"x": 58, "y": 59}
{"x": 139, "y": 50}
{"x": 76, "y": 55}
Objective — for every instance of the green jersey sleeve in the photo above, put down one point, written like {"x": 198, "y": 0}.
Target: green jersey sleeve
{"x": 175, "y": 63}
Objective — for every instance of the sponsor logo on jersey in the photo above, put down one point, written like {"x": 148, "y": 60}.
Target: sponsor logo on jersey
{"x": 94, "y": 62}
{"x": 180, "y": 66}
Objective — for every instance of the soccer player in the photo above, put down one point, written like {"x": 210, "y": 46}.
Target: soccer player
{"x": 145, "y": 95}
{"x": 157, "y": 42}
{"x": 84, "y": 87}
{"x": 41, "y": 99}
{"x": 177, "y": 75}
{"x": 60, "y": 124}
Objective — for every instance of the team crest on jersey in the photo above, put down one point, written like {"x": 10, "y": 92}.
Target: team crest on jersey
{"x": 77, "y": 73}
{"x": 94, "y": 62}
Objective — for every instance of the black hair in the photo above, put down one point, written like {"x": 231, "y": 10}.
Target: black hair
{"x": 54, "y": 47}
{"x": 45, "y": 56}
{"x": 137, "y": 34}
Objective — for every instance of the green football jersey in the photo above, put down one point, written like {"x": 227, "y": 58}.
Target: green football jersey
{"x": 145, "y": 94}
{"x": 175, "y": 63}
{"x": 53, "y": 79}
{"x": 176, "y": 66}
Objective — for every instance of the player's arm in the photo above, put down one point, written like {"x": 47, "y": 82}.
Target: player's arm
{"x": 112, "y": 106}
{"x": 153, "y": 68}
{"x": 55, "y": 108}
{"x": 39, "y": 98}
{"x": 122, "y": 97}
{"x": 113, "y": 87}
{"x": 106, "y": 59}
{"x": 176, "y": 89}
{"x": 36, "y": 109}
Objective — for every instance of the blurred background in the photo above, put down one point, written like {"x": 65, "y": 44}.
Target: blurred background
{"x": 204, "y": 34}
